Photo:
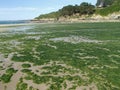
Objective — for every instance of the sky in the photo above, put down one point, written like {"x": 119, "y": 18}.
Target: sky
{"x": 29, "y": 9}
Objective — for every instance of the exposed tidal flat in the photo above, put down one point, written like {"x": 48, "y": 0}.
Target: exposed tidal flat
{"x": 71, "y": 56}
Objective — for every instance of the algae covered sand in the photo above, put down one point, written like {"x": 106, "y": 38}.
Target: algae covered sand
{"x": 74, "y": 56}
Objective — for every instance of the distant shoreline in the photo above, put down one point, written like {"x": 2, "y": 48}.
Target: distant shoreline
{"x": 21, "y": 24}
{"x": 13, "y": 21}
{"x": 73, "y": 20}
{"x": 47, "y": 21}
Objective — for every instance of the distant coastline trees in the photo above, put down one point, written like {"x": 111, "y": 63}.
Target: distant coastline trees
{"x": 82, "y": 9}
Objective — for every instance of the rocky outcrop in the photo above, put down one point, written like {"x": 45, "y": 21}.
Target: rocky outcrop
{"x": 84, "y": 18}
{"x": 100, "y": 3}
{"x": 104, "y": 3}
{"x": 113, "y": 16}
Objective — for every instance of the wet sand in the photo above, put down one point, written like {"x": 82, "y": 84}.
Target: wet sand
{"x": 6, "y": 27}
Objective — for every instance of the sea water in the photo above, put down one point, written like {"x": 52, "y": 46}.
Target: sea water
{"x": 14, "y": 22}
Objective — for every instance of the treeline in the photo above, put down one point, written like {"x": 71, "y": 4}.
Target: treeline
{"x": 82, "y": 9}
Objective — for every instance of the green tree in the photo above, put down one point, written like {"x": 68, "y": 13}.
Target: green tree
{"x": 86, "y": 8}
{"x": 67, "y": 10}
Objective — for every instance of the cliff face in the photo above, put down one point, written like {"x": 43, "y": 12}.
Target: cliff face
{"x": 104, "y": 3}
{"x": 99, "y": 3}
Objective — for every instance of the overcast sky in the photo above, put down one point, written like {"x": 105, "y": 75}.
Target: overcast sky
{"x": 28, "y": 9}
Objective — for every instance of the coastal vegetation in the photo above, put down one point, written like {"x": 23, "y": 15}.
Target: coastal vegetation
{"x": 82, "y": 9}
{"x": 26, "y": 65}
{"x": 7, "y": 76}
{"x": 103, "y": 8}
{"x": 61, "y": 56}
